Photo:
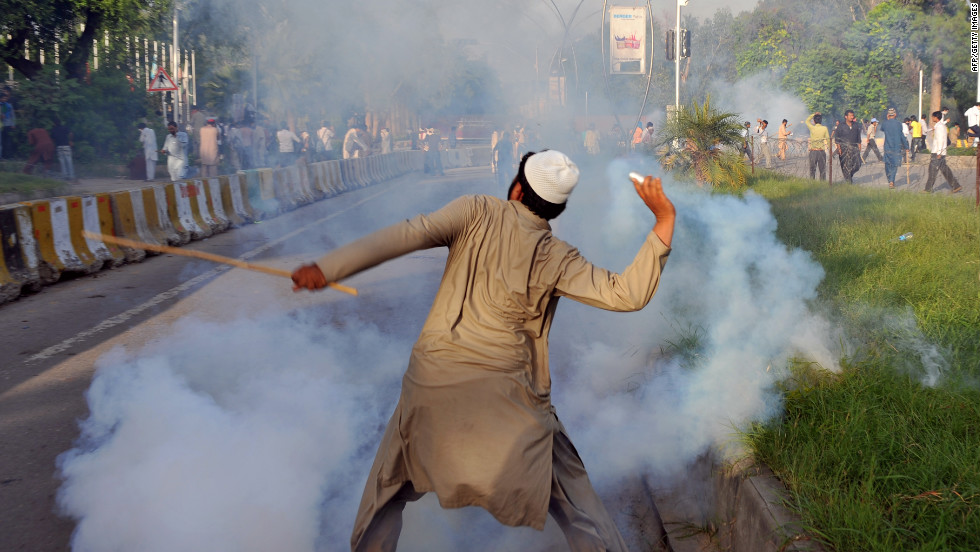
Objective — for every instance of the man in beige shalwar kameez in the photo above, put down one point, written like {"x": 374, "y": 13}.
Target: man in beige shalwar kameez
{"x": 474, "y": 423}
{"x": 207, "y": 149}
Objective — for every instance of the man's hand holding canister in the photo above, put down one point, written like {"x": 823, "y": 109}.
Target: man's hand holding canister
{"x": 651, "y": 191}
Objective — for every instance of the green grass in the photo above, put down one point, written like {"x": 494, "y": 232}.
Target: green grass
{"x": 12, "y": 182}
{"x": 874, "y": 459}
{"x": 961, "y": 151}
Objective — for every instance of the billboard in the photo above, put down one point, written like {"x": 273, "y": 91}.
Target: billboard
{"x": 627, "y": 40}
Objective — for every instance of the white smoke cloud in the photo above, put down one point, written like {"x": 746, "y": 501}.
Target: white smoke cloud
{"x": 731, "y": 287}
{"x": 759, "y": 97}
{"x": 257, "y": 433}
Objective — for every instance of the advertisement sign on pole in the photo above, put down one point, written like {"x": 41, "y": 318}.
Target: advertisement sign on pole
{"x": 627, "y": 40}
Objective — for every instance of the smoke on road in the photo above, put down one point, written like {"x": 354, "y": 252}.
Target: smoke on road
{"x": 257, "y": 434}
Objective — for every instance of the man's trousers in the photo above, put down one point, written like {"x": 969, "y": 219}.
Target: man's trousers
{"x": 893, "y": 160}
{"x": 818, "y": 160}
{"x": 872, "y": 147}
{"x": 574, "y": 506}
{"x": 938, "y": 165}
{"x": 850, "y": 160}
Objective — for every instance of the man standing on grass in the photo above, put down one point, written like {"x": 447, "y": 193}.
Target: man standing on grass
{"x": 818, "y": 143}
{"x": 937, "y": 160}
{"x": 895, "y": 145}
{"x": 43, "y": 150}
{"x": 475, "y": 423}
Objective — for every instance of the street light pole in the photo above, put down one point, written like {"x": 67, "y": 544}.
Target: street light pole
{"x": 677, "y": 57}
{"x": 175, "y": 64}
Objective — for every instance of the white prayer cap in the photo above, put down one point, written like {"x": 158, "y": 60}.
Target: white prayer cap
{"x": 552, "y": 175}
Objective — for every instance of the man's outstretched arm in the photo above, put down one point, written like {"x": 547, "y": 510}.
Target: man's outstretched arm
{"x": 632, "y": 289}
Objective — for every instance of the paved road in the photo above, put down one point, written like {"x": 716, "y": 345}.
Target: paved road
{"x": 50, "y": 342}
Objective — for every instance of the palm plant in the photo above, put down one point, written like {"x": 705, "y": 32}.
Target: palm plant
{"x": 706, "y": 143}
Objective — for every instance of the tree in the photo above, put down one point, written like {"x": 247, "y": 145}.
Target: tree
{"x": 928, "y": 27}
{"x": 818, "y": 77}
{"x": 769, "y": 51}
{"x": 32, "y": 26}
{"x": 708, "y": 142}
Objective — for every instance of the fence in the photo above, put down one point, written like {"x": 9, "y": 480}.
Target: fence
{"x": 912, "y": 174}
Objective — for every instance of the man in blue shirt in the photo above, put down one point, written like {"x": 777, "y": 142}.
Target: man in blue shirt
{"x": 7, "y": 122}
{"x": 895, "y": 145}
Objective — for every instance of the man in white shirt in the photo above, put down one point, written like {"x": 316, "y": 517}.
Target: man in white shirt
{"x": 871, "y": 144}
{"x": 175, "y": 147}
{"x": 385, "y": 140}
{"x": 325, "y": 141}
{"x": 149, "y": 140}
{"x": 937, "y": 162}
{"x": 746, "y": 146}
{"x": 763, "y": 133}
{"x": 286, "y": 139}
{"x": 973, "y": 122}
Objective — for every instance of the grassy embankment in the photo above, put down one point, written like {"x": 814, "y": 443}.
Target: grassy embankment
{"x": 15, "y": 182}
{"x": 874, "y": 459}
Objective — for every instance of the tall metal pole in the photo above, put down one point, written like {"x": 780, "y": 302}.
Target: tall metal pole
{"x": 920, "y": 96}
{"x": 255, "y": 85}
{"x": 175, "y": 64}
{"x": 194, "y": 77}
{"x": 677, "y": 58}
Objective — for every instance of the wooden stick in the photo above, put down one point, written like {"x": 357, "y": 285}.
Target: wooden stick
{"x": 206, "y": 256}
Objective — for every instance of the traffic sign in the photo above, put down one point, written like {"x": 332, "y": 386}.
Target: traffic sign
{"x": 162, "y": 82}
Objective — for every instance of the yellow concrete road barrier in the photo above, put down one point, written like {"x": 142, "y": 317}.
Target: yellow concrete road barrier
{"x": 53, "y": 234}
{"x": 158, "y": 216}
{"x": 180, "y": 213}
{"x": 19, "y": 260}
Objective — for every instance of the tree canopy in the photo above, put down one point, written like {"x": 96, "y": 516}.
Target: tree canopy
{"x": 69, "y": 27}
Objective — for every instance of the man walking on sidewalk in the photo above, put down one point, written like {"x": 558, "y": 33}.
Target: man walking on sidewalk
{"x": 937, "y": 161}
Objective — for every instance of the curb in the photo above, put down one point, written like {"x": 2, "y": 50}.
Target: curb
{"x": 753, "y": 501}
{"x": 738, "y": 507}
